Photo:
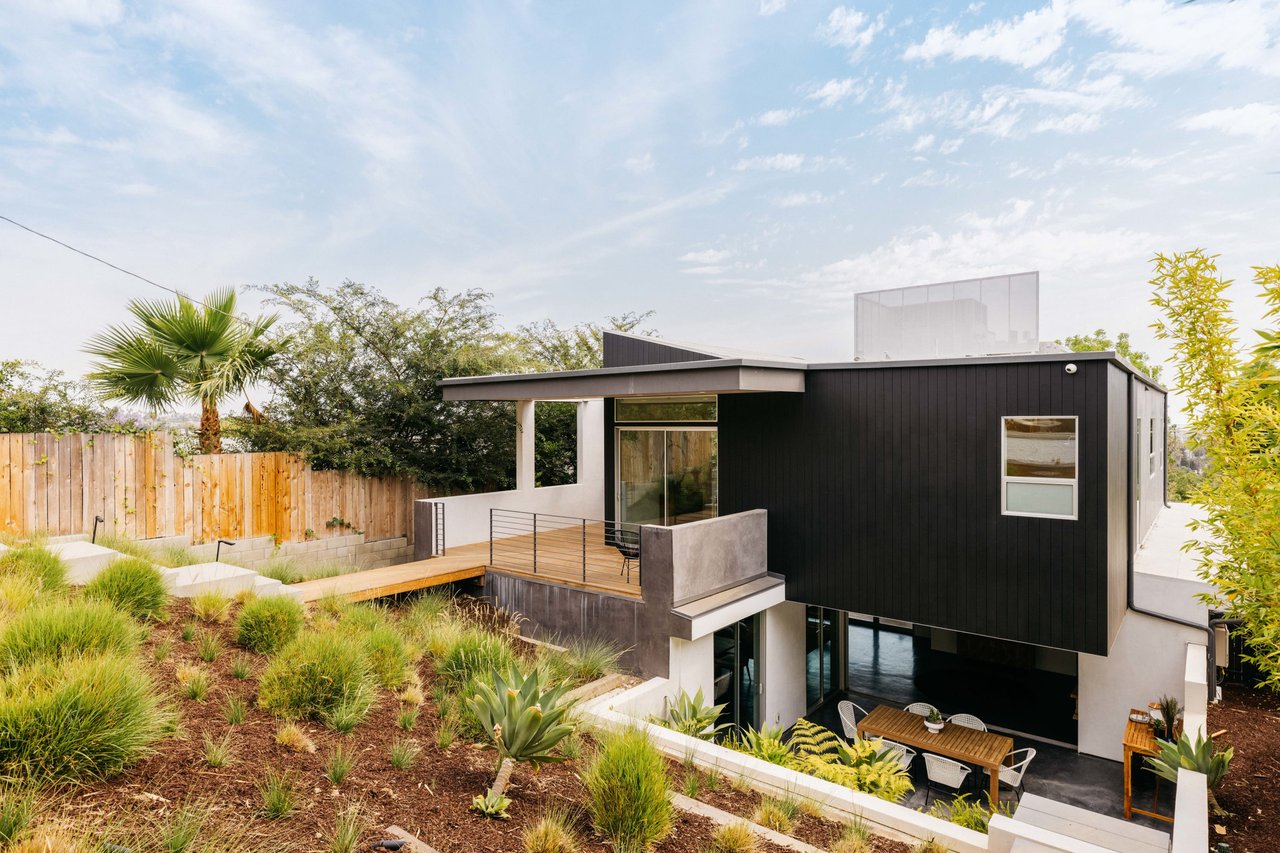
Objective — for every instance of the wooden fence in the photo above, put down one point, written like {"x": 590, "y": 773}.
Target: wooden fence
{"x": 57, "y": 484}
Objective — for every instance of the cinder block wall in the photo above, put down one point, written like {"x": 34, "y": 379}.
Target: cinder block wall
{"x": 260, "y": 550}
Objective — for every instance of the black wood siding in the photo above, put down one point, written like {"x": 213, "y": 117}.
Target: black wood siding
{"x": 625, "y": 351}
{"x": 883, "y": 491}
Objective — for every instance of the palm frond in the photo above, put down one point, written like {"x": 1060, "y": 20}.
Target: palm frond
{"x": 133, "y": 368}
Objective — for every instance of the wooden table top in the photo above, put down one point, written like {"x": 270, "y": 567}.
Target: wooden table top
{"x": 985, "y": 749}
{"x": 1140, "y": 737}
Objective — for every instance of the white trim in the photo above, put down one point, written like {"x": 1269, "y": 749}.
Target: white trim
{"x": 1005, "y": 479}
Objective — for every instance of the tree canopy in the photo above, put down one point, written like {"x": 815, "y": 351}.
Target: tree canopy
{"x": 1100, "y": 341}
{"x": 1233, "y": 417}
{"x": 33, "y": 399}
{"x": 357, "y": 388}
{"x": 184, "y": 351}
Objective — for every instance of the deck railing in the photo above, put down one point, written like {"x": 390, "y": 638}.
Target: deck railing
{"x": 558, "y": 547}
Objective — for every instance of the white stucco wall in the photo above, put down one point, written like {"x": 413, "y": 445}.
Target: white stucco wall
{"x": 693, "y": 666}
{"x": 782, "y": 646}
{"x": 467, "y": 516}
{"x": 1147, "y": 660}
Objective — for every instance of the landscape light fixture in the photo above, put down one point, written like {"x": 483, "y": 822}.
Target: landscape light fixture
{"x": 96, "y": 520}
{"x": 217, "y": 552}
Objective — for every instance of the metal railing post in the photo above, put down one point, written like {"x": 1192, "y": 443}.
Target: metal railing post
{"x": 491, "y": 536}
{"x": 584, "y": 550}
{"x": 535, "y": 543}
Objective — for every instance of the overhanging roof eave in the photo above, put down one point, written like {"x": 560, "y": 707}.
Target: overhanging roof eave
{"x": 727, "y": 376}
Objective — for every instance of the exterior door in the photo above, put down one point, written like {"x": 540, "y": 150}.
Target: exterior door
{"x": 666, "y": 475}
{"x": 737, "y": 672}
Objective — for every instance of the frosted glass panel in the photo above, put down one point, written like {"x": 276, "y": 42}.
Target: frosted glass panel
{"x": 1040, "y": 498}
{"x": 987, "y": 316}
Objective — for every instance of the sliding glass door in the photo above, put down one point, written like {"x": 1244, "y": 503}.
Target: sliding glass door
{"x": 736, "y": 672}
{"x": 666, "y": 476}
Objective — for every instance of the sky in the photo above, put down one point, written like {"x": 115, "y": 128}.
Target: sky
{"x": 741, "y": 169}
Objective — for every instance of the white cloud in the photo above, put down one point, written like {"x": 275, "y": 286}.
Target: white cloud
{"x": 834, "y": 91}
{"x": 772, "y": 7}
{"x": 777, "y": 118}
{"x": 639, "y": 164}
{"x": 923, "y": 143}
{"x": 930, "y": 178}
{"x": 847, "y": 27}
{"x": 707, "y": 256}
{"x": 950, "y": 146}
{"x": 771, "y": 163}
{"x": 1026, "y": 41}
{"x": 1257, "y": 120}
{"x": 802, "y": 199}
{"x": 709, "y": 269}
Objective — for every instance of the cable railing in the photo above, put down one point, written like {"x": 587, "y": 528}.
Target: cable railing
{"x": 596, "y": 553}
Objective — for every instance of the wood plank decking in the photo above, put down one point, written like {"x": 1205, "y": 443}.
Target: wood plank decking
{"x": 605, "y": 571}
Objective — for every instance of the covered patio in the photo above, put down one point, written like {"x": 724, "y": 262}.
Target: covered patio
{"x": 1056, "y": 773}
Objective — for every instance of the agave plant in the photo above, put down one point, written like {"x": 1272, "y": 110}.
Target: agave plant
{"x": 692, "y": 716}
{"x": 1199, "y": 756}
{"x": 525, "y": 719}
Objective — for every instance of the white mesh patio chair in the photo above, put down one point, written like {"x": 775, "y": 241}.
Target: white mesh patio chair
{"x": 945, "y": 773}
{"x": 924, "y": 709}
{"x": 848, "y": 717}
{"x": 904, "y": 753}
{"x": 1013, "y": 775}
{"x": 969, "y": 721}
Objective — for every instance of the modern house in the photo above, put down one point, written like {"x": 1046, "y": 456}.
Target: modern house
{"x": 967, "y": 525}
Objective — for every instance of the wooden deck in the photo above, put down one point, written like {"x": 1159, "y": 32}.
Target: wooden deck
{"x": 605, "y": 570}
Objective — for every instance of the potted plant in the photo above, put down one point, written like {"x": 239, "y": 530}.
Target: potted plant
{"x": 1169, "y": 724}
{"x": 934, "y": 722}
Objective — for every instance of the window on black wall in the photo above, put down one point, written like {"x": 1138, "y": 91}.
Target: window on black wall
{"x": 1039, "y": 466}
{"x": 555, "y": 443}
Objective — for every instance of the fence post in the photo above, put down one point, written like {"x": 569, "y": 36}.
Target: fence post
{"x": 584, "y": 550}
{"x": 535, "y": 543}
{"x": 491, "y": 536}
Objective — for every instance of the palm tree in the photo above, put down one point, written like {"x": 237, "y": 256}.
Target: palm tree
{"x": 184, "y": 351}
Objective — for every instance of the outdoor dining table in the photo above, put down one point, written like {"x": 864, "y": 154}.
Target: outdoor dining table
{"x": 971, "y": 746}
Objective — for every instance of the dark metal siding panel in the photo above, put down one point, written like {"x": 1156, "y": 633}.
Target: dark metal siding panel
{"x": 624, "y": 351}
{"x": 883, "y": 491}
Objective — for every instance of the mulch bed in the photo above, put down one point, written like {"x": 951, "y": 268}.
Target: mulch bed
{"x": 1251, "y": 791}
{"x": 430, "y": 799}
{"x": 721, "y": 792}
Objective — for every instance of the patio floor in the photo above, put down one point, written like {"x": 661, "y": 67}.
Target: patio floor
{"x": 1056, "y": 773}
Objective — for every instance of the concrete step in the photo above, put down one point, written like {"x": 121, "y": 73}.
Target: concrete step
{"x": 1106, "y": 832}
{"x": 264, "y": 587}
{"x": 84, "y": 559}
{"x": 187, "y": 581}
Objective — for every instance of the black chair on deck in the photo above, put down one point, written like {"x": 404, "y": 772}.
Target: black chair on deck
{"x": 628, "y": 544}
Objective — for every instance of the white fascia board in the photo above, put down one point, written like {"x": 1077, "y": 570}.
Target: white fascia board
{"x": 722, "y": 617}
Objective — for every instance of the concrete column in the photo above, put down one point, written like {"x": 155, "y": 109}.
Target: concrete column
{"x": 591, "y": 442}
{"x": 526, "y": 475}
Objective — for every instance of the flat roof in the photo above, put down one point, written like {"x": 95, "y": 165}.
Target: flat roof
{"x": 718, "y": 376}
{"x": 710, "y": 376}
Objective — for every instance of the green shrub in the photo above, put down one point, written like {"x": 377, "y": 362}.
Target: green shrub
{"x": 267, "y": 624}
{"x": 211, "y": 606}
{"x": 78, "y": 719}
{"x": 404, "y": 751}
{"x": 968, "y": 813}
{"x": 282, "y": 569}
{"x": 339, "y": 764}
{"x": 17, "y": 808}
{"x": 863, "y": 765}
{"x": 349, "y": 826}
{"x": 627, "y": 792}
{"x": 692, "y": 716}
{"x": 475, "y": 653}
{"x": 57, "y": 629}
{"x": 279, "y": 794}
{"x": 35, "y": 562}
{"x": 132, "y": 584}
{"x": 389, "y": 656}
{"x": 778, "y": 815}
{"x": 17, "y": 593}
{"x": 766, "y": 744}
{"x": 323, "y": 676}
{"x": 589, "y": 659}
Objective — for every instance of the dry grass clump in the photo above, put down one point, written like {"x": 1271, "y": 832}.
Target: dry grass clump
{"x": 733, "y": 838}
{"x": 293, "y": 738}
{"x": 211, "y": 606}
{"x": 552, "y": 834}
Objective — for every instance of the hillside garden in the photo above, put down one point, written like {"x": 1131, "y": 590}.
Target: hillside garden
{"x": 133, "y": 721}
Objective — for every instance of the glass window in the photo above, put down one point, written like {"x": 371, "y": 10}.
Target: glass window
{"x": 1040, "y": 457}
{"x": 668, "y": 409}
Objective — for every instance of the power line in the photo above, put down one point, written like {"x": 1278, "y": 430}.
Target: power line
{"x": 142, "y": 278}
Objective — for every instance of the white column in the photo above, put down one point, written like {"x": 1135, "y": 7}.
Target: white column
{"x": 526, "y": 475}
{"x": 782, "y": 664}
